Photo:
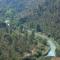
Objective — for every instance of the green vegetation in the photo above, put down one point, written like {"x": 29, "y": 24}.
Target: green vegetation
{"x": 17, "y": 43}
{"x": 21, "y": 23}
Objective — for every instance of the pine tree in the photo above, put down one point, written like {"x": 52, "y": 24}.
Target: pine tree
{"x": 21, "y": 28}
{"x": 32, "y": 37}
{"x": 38, "y": 29}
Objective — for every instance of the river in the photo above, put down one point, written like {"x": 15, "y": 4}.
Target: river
{"x": 52, "y": 51}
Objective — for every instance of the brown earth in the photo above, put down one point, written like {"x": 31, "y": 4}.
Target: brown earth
{"x": 56, "y": 58}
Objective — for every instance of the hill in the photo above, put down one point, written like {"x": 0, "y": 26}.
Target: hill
{"x": 18, "y": 18}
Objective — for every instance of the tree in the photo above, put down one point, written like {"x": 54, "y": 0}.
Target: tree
{"x": 32, "y": 25}
{"x": 26, "y": 35}
{"x": 38, "y": 29}
{"x": 21, "y": 28}
{"x": 8, "y": 38}
{"x": 32, "y": 36}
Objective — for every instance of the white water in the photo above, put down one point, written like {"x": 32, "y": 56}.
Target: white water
{"x": 7, "y": 22}
{"x": 52, "y": 47}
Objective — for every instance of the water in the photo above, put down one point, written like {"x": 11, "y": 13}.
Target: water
{"x": 53, "y": 48}
{"x": 7, "y": 22}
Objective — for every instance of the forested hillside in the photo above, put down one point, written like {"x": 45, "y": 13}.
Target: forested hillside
{"x": 24, "y": 24}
